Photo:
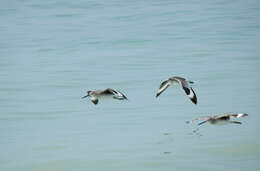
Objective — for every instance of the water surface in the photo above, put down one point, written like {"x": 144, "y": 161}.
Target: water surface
{"x": 53, "y": 52}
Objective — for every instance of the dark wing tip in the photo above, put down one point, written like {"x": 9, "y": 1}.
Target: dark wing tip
{"x": 125, "y": 97}
{"x": 194, "y": 100}
{"x": 244, "y": 114}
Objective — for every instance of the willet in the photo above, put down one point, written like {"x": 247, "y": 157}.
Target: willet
{"x": 183, "y": 82}
{"x": 95, "y": 95}
{"x": 220, "y": 119}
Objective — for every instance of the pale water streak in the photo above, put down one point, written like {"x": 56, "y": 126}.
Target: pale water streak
{"x": 52, "y": 52}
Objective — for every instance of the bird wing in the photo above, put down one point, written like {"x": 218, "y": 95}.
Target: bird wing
{"x": 93, "y": 99}
{"x": 164, "y": 85}
{"x": 235, "y": 122}
{"x": 109, "y": 91}
{"x": 237, "y": 115}
{"x": 205, "y": 118}
{"x": 188, "y": 90}
{"x": 123, "y": 95}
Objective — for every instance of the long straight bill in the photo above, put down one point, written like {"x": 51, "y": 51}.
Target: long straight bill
{"x": 84, "y": 96}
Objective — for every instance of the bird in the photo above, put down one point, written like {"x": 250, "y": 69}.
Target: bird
{"x": 183, "y": 82}
{"x": 95, "y": 95}
{"x": 218, "y": 119}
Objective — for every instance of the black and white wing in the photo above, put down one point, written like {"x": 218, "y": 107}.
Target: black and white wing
{"x": 109, "y": 91}
{"x": 189, "y": 91}
{"x": 238, "y": 115}
{"x": 117, "y": 94}
{"x": 164, "y": 85}
{"x": 122, "y": 95}
{"x": 231, "y": 115}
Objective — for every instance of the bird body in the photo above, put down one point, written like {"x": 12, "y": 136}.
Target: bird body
{"x": 220, "y": 119}
{"x": 96, "y": 95}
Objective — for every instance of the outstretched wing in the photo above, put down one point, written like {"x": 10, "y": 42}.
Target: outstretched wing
{"x": 109, "y": 91}
{"x": 124, "y": 97}
{"x": 235, "y": 122}
{"x": 238, "y": 115}
{"x": 205, "y": 118}
{"x": 117, "y": 94}
{"x": 164, "y": 85}
{"x": 189, "y": 91}
{"x": 191, "y": 94}
{"x": 231, "y": 115}
{"x": 94, "y": 100}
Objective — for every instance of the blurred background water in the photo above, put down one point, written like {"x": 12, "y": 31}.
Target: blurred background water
{"x": 52, "y": 52}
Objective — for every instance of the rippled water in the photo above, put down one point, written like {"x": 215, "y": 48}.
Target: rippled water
{"x": 53, "y": 52}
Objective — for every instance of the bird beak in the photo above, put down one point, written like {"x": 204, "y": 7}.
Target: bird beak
{"x": 84, "y": 96}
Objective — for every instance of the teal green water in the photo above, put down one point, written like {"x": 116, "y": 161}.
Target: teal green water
{"x": 52, "y": 52}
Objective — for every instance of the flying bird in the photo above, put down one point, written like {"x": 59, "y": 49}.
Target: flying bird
{"x": 218, "y": 119}
{"x": 96, "y": 95}
{"x": 183, "y": 82}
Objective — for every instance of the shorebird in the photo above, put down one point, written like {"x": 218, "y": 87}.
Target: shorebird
{"x": 95, "y": 95}
{"x": 183, "y": 82}
{"x": 218, "y": 119}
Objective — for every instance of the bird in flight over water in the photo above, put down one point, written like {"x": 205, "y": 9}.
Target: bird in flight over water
{"x": 96, "y": 95}
{"x": 183, "y": 82}
{"x": 220, "y": 119}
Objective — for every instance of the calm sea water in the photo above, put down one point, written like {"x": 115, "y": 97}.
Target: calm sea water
{"x": 52, "y": 52}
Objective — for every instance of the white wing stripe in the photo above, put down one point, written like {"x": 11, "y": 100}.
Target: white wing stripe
{"x": 191, "y": 95}
{"x": 163, "y": 87}
{"x": 240, "y": 115}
